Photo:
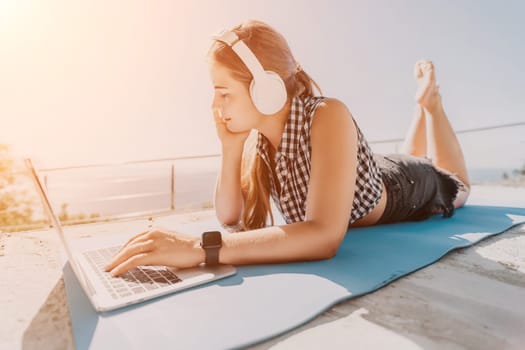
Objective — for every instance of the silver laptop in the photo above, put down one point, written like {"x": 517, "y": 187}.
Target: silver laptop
{"x": 142, "y": 283}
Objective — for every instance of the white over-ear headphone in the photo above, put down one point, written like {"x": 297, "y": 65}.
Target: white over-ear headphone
{"x": 267, "y": 89}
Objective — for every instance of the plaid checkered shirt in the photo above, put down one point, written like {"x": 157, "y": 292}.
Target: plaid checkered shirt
{"x": 292, "y": 166}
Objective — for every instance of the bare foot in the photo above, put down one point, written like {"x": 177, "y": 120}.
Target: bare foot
{"x": 427, "y": 95}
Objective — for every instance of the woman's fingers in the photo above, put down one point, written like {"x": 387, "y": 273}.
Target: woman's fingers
{"x": 133, "y": 249}
{"x": 131, "y": 263}
{"x": 131, "y": 240}
{"x": 219, "y": 123}
{"x": 217, "y": 116}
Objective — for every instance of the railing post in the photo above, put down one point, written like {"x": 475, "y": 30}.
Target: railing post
{"x": 172, "y": 206}
{"x": 48, "y": 217}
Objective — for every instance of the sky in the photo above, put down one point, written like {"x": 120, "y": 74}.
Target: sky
{"x": 108, "y": 81}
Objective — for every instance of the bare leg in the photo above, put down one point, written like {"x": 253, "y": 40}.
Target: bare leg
{"x": 442, "y": 145}
{"x": 416, "y": 139}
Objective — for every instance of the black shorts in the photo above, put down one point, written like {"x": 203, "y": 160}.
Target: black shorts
{"x": 415, "y": 188}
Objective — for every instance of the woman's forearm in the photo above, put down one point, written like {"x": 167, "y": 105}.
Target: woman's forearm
{"x": 228, "y": 197}
{"x": 299, "y": 241}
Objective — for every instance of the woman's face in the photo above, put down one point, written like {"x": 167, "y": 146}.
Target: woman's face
{"x": 233, "y": 100}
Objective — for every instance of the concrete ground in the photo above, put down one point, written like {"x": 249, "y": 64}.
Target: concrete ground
{"x": 473, "y": 298}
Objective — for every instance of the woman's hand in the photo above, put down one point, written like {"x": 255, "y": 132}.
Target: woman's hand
{"x": 157, "y": 247}
{"x": 228, "y": 138}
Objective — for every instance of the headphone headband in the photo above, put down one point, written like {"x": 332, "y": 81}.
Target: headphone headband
{"x": 267, "y": 89}
{"x": 242, "y": 50}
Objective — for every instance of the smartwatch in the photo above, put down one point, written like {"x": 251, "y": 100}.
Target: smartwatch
{"x": 211, "y": 242}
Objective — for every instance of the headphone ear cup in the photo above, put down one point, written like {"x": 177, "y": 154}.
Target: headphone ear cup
{"x": 268, "y": 93}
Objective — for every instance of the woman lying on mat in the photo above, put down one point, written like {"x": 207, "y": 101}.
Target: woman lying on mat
{"x": 310, "y": 156}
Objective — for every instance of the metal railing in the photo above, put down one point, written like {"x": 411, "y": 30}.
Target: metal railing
{"x": 169, "y": 208}
{"x": 172, "y": 205}
{"x": 46, "y": 171}
{"x": 463, "y": 131}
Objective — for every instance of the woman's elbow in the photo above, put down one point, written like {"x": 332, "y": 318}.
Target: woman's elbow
{"x": 331, "y": 246}
{"x": 227, "y": 218}
{"x": 329, "y": 253}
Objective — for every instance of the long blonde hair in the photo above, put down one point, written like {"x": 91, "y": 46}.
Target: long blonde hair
{"x": 272, "y": 50}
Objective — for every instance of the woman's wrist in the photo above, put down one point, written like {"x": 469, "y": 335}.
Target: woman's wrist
{"x": 233, "y": 148}
{"x": 198, "y": 253}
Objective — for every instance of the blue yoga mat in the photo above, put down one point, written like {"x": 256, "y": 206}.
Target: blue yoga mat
{"x": 264, "y": 301}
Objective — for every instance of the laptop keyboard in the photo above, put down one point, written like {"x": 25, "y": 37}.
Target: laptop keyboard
{"x": 135, "y": 281}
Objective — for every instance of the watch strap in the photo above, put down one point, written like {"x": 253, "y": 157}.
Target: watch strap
{"x": 211, "y": 242}
{"x": 212, "y": 256}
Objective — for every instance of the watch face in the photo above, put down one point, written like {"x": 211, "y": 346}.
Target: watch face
{"x": 211, "y": 238}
